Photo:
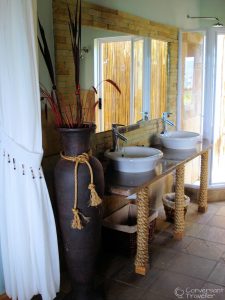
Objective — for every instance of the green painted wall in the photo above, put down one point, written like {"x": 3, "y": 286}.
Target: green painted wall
{"x": 172, "y": 12}
{"x": 87, "y": 63}
{"x": 215, "y": 8}
{"x": 45, "y": 16}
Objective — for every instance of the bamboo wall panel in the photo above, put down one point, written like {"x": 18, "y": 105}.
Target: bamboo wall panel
{"x": 116, "y": 60}
{"x": 116, "y": 57}
{"x": 159, "y": 57}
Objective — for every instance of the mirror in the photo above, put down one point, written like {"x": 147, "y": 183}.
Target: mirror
{"x": 138, "y": 65}
{"x": 111, "y": 23}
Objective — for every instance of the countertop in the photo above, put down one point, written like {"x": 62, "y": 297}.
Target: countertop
{"x": 126, "y": 184}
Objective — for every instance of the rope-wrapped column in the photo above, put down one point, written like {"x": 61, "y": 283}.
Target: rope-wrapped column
{"x": 202, "y": 202}
{"x": 141, "y": 260}
{"x": 179, "y": 204}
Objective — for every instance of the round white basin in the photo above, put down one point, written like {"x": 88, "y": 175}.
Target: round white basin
{"x": 134, "y": 159}
{"x": 179, "y": 139}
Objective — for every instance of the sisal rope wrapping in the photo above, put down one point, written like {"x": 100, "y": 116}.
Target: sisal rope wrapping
{"x": 142, "y": 256}
{"x": 202, "y": 202}
{"x": 179, "y": 200}
{"x": 79, "y": 220}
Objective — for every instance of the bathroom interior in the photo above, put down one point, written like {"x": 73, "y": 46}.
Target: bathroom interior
{"x": 168, "y": 60}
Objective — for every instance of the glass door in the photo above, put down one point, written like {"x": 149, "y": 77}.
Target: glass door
{"x": 191, "y": 91}
{"x": 218, "y": 157}
{"x": 192, "y": 81}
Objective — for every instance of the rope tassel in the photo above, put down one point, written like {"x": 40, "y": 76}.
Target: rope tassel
{"x": 79, "y": 220}
{"x": 95, "y": 200}
{"x": 76, "y": 222}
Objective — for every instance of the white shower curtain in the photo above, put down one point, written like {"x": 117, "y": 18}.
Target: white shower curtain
{"x": 27, "y": 228}
{"x": 2, "y": 288}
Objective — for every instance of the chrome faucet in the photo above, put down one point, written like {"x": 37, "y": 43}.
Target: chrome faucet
{"x": 145, "y": 115}
{"x": 117, "y": 136}
{"x": 165, "y": 120}
{"x": 144, "y": 118}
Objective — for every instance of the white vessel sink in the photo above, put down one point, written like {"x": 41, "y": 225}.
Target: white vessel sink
{"x": 134, "y": 159}
{"x": 179, "y": 139}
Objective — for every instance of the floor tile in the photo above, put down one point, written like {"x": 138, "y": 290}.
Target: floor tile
{"x": 218, "y": 274}
{"x": 205, "y": 249}
{"x": 162, "y": 257}
{"x": 214, "y": 207}
{"x": 192, "y": 265}
{"x": 150, "y": 295}
{"x": 193, "y": 229}
{"x": 217, "y": 291}
{"x": 223, "y": 257}
{"x": 112, "y": 263}
{"x": 221, "y": 211}
{"x": 200, "y": 218}
{"x": 217, "y": 221}
{"x": 119, "y": 291}
{"x": 165, "y": 239}
{"x": 128, "y": 276}
{"x": 168, "y": 282}
{"x": 212, "y": 234}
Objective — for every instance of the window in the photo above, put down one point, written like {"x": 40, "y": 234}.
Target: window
{"x": 127, "y": 60}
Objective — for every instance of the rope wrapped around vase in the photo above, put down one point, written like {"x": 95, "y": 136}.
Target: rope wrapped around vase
{"x": 95, "y": 200}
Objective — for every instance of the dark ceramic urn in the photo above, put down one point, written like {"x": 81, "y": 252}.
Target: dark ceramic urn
{"x": 81, "y": 246}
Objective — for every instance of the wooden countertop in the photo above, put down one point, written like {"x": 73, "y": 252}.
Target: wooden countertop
{"x": 126, "y": 184}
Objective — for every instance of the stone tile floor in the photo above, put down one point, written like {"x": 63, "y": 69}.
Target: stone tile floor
{"x": 179, "y": 269}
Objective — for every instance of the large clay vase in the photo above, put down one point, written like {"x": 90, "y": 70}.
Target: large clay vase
{"x": 80, "y": 246}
